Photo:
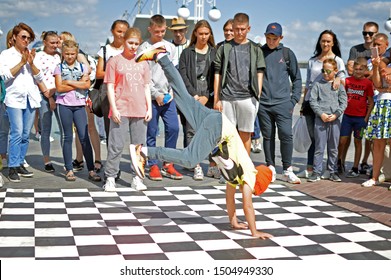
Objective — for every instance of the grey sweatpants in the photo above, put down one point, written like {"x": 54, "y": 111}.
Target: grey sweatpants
{"x": 326, "y": 134}
{"x": 137, "y": 128}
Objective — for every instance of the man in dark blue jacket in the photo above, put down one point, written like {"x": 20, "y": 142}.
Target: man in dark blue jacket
{"x": 278, "y": 99}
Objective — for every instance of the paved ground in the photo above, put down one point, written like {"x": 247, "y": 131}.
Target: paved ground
{"x": 47, "y": 217}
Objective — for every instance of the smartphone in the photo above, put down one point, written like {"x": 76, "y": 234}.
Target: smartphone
{"x": 374, "y": 52}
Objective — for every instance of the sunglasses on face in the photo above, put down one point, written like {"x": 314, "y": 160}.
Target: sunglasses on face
{"x": 25, "y": 37}
{"x": 327, "y": 71}
{"x": 369, "y": 33}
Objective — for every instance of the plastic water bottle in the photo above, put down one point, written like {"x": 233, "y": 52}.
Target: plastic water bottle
{"x": 166, "y": 98}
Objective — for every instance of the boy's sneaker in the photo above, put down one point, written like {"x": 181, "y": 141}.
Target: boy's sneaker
{"x": 168, "y": 170}
{"x": 352, "y": 174}
{"x": 334, "y": 177}
{"x": 137, "y": 184}
{"x": 152, "y": 52}
{"x": 22, "y": 171}
{"x": 213, "y": 172}
{"x": 77, "y": 165}
{"x": 325, "y": 175}
{"x": 274, "y": 174}
{"x": 13, "y": 175}
{"x": 290, "y": 177}
{"x": 138, "y": 159}
{"x": 49, "y": 168}
{"x": 364, "y": 168}
{"x": 110, "y": 186}
{"x": 314, "y": 177}
{"x": 154, "y": 173}
{"x": 198, "y": 173}
{"x": 304, "y": 174}
{"x": 256, "y": 147}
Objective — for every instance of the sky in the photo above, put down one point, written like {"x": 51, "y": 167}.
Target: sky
{"x": 302, "y": 20}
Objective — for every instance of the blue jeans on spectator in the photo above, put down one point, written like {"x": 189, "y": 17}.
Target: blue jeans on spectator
{"x": 45, "y": 117}
{"x": 4, "y": 130}
{"x": 78, "y": 116}
{"x": 206, "y": 122}
{"x": 169, "y": 116}
{"x": 21, "y": 121}
{"x": 257, "y": 129}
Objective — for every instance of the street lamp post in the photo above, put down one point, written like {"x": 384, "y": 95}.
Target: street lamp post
{"x": 214, "y": 14}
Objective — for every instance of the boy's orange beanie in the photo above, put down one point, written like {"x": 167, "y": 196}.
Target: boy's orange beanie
{"x": 263, "y": 179}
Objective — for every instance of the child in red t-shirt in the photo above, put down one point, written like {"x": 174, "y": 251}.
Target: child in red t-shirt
{"x": 355, "y": 118}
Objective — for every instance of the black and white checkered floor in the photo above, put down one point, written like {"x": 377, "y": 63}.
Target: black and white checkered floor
{"x": 180, "y": 223}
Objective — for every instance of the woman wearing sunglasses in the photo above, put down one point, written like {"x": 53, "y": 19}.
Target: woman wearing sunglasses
{"x": 327, "y": 47}
{"x": 22, "y": 97}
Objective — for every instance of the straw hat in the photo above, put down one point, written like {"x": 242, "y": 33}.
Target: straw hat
{"x": 178, "y": 23}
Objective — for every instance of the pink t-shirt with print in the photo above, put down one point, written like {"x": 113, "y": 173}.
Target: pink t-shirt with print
{"x": 129, "y": 79}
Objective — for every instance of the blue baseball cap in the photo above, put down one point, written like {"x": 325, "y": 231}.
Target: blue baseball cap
{"x": 274, "y": 28}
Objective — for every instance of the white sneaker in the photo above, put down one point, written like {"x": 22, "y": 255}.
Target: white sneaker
{"x": 274, "y": 174}
{"x": 304, "y": 174}
{"x": 137, "y": 184}
{"x": 382, "y": 178}
{"x": 325, "y": 175}
{"x": 213, "y": 172}
{"x": 1, "y": 181}
{"x": 110, "y": 185}
{"x": 256, "y": 147}
{"x": 51, "y": 139}
{"x": 38, "y": 136}
{"x": 290, "y": 177}
{"x": 25, "y": 164}
{"x": 198, "y": 173}
{"x": 370, "y": 183}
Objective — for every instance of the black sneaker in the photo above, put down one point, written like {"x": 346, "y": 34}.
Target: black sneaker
{"x": 49, "y": 168}
{"x": 334, "y": 177}
{"x": 77, "y": 165}
{"x": 13, "y": 175}
{"x": 22, "y": 171}
{"x": 364, "y": 168}
{"x": 341, "y": 167}
{"x": 314, "y": 177}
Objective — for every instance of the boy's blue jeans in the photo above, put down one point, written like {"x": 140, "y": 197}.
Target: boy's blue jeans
{"x": 21, "y": 121}
{"x": 206, "y": 122}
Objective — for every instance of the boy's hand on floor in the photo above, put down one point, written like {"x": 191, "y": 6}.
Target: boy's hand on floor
{"x": 262, "y": 235}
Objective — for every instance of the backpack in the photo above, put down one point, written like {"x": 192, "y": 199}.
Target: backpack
{"x": 97, "y": 98}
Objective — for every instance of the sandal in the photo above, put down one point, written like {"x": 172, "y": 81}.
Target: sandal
{"x": 69, "y": 176}
{"x": 94, "y": 177}
{"x": 77, "y": 165}
{"x": 98, "y": 169}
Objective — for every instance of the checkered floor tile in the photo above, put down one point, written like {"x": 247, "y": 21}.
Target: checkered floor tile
{"x": 180, "y": 222}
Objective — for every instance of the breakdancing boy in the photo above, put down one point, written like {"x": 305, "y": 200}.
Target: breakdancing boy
{"x": 215, "y": 134}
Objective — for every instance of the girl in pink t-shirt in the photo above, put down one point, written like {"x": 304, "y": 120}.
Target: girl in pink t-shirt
{"x": 130, "y": 105}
